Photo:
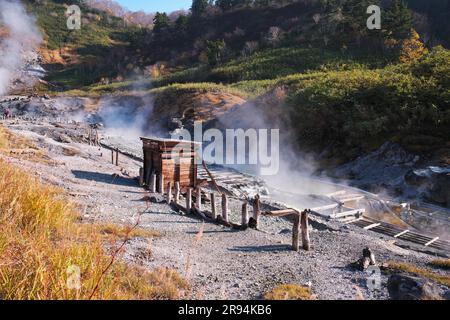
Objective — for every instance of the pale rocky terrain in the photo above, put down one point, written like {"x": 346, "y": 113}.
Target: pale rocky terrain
{"x": 220, "y": 263}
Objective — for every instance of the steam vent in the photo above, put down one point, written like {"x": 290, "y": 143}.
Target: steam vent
{"x": 174, "y": 159}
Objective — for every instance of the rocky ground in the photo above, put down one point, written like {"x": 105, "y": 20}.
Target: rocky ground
{"x": 220, "y": 263}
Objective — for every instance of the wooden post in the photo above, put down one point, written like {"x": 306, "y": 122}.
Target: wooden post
{"x": 153, "y": 182}
{"x": 244, "y": 221}
{"x": 112, "y": 156}
{"x": 256, "y": 210}
{"x": 199, "y": 199}
{"x": 225, "y": 207}
{"x": 213, "y": 205}
{"x": 305, "y": 231}
{"x": 189, "y": 200}
{"x": 117, "y": 157}
{"x": 141, "y": 177}
{"x": 296, "y": 232}
{"x": 169, "y": 192}
{"x": 161, "y": 183}
{"x": 177, "y": 191}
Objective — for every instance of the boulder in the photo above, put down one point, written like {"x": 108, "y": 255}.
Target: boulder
{"x": 402, "y": 286}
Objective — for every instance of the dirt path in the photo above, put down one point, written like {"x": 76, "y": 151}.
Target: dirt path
{"x": 220, "y": 263}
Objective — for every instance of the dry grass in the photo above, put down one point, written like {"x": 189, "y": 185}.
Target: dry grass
{"x": 122, "y": 231}
{"x": 289, "y": 292}
{"x": 441, "y": 263}
{"x": 40, "y": 239}
{"x": 16, "y": 146}
{"x": 409, "y": 268}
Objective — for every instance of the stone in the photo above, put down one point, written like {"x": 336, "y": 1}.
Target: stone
{"x": 402, "y": 286}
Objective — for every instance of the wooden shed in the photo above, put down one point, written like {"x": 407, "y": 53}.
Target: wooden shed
{"x": 174, "y": 159}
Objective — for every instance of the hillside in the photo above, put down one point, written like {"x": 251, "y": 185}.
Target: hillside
{"x": 344, "y": 86}
{"x": 96, "y": 202}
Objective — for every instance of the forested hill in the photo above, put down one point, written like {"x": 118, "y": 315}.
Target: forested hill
{"x": 343, "y": 86}
{"x": 109, "y": 48}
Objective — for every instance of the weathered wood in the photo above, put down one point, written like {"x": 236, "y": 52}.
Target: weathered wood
{"x": 337, "y": 193}
{"x": 305, "y": 230}
{"x": 117, "y": 157}
{"x": 358, "y": 198}
{"x": 112, "y": 156}
{"x": 213, "y": 205}
{"x": 177, "y": 192}
{"x": 296, "y": 233}
{"x": 401, "y": 233}
{"x": 244, "y": 220}
{"x": 199, "y": 198}
{"x": 189, "y": 199}
{"x": 141, "y": 177}
{"x": 373, "y": 225}
{"x": 161, "y": 183}
{"x": 347, "y": 213}
{"x": 432, "y": 241}
{"x": 281, "y": 213}
{"x": 327, "y": 207}
{"x": 153, "y": 182}
{"x": 256, "y": 210}
{"x": 225, "y": 207}
{"x": 169, "y": 192}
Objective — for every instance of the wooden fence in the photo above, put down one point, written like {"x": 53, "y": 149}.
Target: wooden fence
{"x": 222, "y": 215}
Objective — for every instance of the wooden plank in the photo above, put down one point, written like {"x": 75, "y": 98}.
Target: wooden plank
{"x": 305, "y": 231}
{"x": 351, "y": 199}
{"x": 347, "y": 213}
{"x": 296, "y": 233}
{"x": 373, "y": 225}
{"x": 169, "y": 192}
{"x": 199, "y": 198}
{"x": 177, "y": 191}
{"x": 213, "y": 205}
{"x": 257, "y": 210}
{"x": 432, "y": 241}
{"x": 327, "y": 207}
{"x": 337, "y": 193}
{"x": 401, "y": 233}
{"x": 189, "y": 200}
{"x": 353, "y": 221}
{"x": 244, "y": 219}
{"x": 281, "y": 213}
{"x": 225, "y": 207}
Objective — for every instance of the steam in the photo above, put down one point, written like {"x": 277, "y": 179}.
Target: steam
{"x": 22, "y": 36}
{"x": 296, "y": 168}
{"x": 127, "y": 118}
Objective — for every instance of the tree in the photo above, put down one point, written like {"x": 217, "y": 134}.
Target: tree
{"x": 398, "y": 20}
{"x": 199, "y": 7}
{"x": 161, "y": 22}
{"x": 214, "y": 50}
{"x": 225, "y": 5}
{"x": 412, "y": 48}
{"x": 181, "y": 24}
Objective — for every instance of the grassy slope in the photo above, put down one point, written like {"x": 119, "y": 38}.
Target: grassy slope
{"x": 101, "y": 48}
{"x": 346, "y": 97}
{"x": 40, "y": 239}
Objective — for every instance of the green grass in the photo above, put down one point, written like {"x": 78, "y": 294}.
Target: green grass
{"x": 409, "y": 268}
{"x": 202, "y": 87}
{"x": 280, "y": 62}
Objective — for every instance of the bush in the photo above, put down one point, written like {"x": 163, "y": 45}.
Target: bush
{"x": 355, "y": 107}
